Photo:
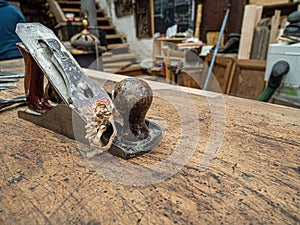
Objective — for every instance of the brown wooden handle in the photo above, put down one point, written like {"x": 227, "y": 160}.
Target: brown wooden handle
{"x": 33, "y": 83}
{"x": 132, "y": 98}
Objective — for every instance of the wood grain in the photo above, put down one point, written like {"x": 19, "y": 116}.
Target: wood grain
{"x": 247, "y": 78}
{"x": 254, "y": 178}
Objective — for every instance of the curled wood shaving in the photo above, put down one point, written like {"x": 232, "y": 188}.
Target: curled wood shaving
{"x": 97, "y": 122}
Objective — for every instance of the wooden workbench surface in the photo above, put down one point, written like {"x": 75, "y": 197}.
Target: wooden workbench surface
{"x": 252, "y": 179}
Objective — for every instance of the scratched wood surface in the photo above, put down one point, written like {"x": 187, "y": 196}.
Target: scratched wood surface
{"x": 253, "y": 179}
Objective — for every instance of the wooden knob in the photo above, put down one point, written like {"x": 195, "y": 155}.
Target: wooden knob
{"x": 132, "y": 98}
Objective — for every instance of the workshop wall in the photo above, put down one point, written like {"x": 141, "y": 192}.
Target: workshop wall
{"x": 126, "y": 25}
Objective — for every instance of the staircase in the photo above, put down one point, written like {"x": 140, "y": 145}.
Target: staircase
{"x": 51, "y": 13}
{"x": 114, "y": 39}
{"x": 118, "y": 59}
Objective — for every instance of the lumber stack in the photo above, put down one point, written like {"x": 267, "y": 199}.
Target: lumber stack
{"x": 262, "y": 25}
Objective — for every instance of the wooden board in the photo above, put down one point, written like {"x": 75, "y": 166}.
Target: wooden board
{"x": 152, "y": 17}
{"x": 212, "y": 38}
{"x": 198, "y": 21}
{"x": 268, "y": 2}
{"x": 57, "y": 11}
{"x": 259, "y": 35}
{"x": 274, "y": 27}
{"x": 247, "y": 78}
{"x": 260, "y": 42}
{"x": 259, "y": 10}
{"x": 253, "y": 179}
{"x": 249, "y": 21}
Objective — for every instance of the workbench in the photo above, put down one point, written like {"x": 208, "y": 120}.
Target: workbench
{"x": 253, "y": 177}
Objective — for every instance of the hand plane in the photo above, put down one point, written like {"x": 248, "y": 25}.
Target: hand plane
{"x": 80, "y": 109}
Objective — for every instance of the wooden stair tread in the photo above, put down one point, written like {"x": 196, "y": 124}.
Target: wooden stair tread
{"x": 107, "y": 54}
{"x": 110, "y": 70}
{"x": 114, "y": 46}
{"x": 113, "y": 36}
{"x": 69, "y": 2}
{"x": 119, "y": 57}
{"x": 107, "y": 27}
{"x": 103, "y": 19}
{"x": 132, "y": 67}
{"x": 118, "y": 65}
{"x": 78, "y": 10}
